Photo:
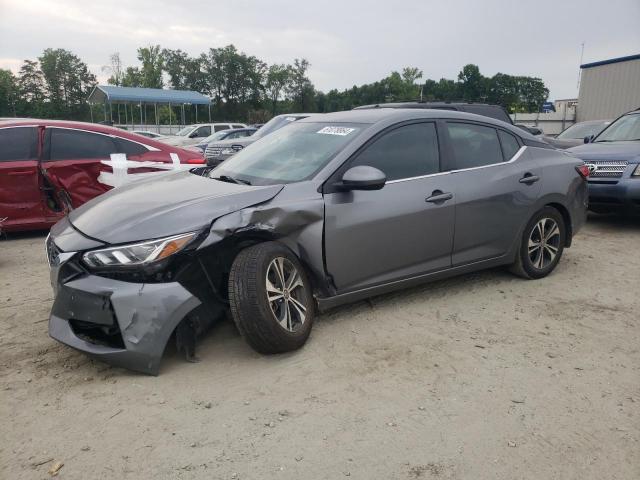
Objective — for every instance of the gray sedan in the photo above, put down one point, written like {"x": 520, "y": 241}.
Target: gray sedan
{"x": 332, "y": 209}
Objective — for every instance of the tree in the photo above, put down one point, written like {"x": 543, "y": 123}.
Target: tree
{"x": 472, "y": 83}
{"x": 68, "y": 82}
{"x": 115, "y": 69}
{"x": 152, "y": 65}
{"x": 278, "y": 77}
{"x": 8, "y": 93}
{"x": 300, "y": 87}
{"x": 185, "y": 72}
{"x": 31, "y": 89}
{"x": 132, "y": 77}
{"x": 532, "y": 93}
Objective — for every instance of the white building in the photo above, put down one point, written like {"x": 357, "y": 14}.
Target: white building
{"x": 609, "y": 88}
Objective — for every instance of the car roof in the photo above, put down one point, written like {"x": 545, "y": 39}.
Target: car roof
{"x": 375, "y": 115}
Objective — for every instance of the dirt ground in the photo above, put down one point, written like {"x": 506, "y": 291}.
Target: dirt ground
{"x": 484, "y": 376}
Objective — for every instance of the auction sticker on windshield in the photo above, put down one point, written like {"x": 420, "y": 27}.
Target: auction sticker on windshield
{"x": 342, "y": 131}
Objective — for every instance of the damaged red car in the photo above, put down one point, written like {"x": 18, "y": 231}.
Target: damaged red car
{"x": 50, "y": 167}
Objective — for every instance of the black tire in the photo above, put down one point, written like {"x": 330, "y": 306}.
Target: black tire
{"x": 530, "y": 265}
{"x": 250, "y": 307}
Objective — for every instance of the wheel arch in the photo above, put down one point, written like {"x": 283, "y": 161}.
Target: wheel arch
{"x": 566, "y": 216}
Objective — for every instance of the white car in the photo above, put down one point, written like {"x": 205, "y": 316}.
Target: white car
{"x": 195, "y": 133}
{"x": 148, "y": 134}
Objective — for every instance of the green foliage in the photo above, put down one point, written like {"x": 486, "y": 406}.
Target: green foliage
{"x": 150, "y": 74}
{"x": 68, "y": 82}
{"x": 241, "y": 86}
{"x": 8, "y": 93}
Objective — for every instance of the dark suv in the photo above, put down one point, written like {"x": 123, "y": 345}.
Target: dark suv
{"x": 491, "y": 111}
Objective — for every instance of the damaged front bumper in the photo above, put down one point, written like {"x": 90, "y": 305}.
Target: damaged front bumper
{"x": 122, "y": 323}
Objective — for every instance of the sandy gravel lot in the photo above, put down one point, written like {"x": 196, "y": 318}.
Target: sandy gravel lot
{"x": 485, "y": 376}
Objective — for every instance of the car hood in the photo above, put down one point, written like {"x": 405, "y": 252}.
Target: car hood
{"x": 563, "y": 142}
{"x": 629, "y": 151}
{"x": 175, "y": 140}
{"x": 167, "y": 205}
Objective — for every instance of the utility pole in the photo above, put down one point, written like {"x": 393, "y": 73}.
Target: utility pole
{"x": 580, "y": 69}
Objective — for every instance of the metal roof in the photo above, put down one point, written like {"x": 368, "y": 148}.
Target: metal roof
{"x": 110, "y": 93}
{"x": 612, "y": 60}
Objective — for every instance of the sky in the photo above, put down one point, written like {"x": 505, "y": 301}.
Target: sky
{"x": 347, "y": 42}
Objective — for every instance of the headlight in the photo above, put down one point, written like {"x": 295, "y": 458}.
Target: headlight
{"x": 138, "y": 253}
{"x": 636, "y": 172}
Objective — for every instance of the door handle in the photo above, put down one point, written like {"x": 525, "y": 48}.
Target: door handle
{"x": 529, "y": 179}
{"x": 438, "y": 196}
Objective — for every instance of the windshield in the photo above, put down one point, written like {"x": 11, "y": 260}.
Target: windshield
{"x": 625, "y": 128}
{"x": 276, "y": 123}
{"x": 185, "y": 131}
{"x": 289, "y": 155}
{"x": 216, "y": 136}
{"x": 581, "y": 130}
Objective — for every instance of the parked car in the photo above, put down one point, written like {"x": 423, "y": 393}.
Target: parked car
{"x": 576, "y": 133}
{"x": 193, "y": 134}
{"x": 219, "y": 151}
{"x": 48, "y": 167}
{"x": 487, "y": 110}
{"x": 147, "y": 133}
{"x": 331, "y": 209}
{"x": 231, "y": 134}
{"x": 613, "y": 159}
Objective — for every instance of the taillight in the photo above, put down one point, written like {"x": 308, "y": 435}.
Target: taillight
{"x": 583, "y": 170}
{"x": 196, "y": 161}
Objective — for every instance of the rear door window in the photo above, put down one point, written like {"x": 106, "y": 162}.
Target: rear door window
{"x": 130, "y": 148}
{"x": 238, "y": 126}
{"x": 18, "y": 143}
{"x": 218, "y": 128}
{"x": 509, "y": 144}
{"x": 474, "y": 145}
{"x": 70, "y": 144}
{"x": 405, "y": 152}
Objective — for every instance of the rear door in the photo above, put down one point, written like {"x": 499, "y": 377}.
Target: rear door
{"x": 374, "y": 237}
{"x": 72, "y": 162}
{"x": 21, "y": 199}
{"x": 496, "y": 186}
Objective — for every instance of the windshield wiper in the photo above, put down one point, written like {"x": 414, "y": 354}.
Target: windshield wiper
{"x": 230, "y": 179}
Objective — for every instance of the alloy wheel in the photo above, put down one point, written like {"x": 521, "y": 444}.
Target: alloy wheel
{"x": 286, "y": 294}
{"x": 544, "y": 243}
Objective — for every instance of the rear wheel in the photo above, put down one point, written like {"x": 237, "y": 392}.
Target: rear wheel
{"x": 542, "y": 244}
{"x": 270, "y": 298}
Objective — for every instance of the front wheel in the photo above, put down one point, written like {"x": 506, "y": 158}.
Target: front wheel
{"x": 270, "y": 298}
{"x": 542, "y": 244}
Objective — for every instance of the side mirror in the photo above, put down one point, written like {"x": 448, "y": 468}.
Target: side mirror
{"x": 588, "y": 139}
{"x": 363, "y": 177}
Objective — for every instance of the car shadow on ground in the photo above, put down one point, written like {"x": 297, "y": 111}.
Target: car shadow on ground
{"x": 618, "y": 221}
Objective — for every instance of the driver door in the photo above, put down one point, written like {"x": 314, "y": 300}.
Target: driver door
{"x": 379, "y": 236}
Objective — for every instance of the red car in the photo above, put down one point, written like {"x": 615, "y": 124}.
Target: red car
{"x": 48, "y": 167}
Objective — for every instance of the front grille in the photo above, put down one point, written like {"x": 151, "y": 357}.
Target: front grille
{"x": 211, "y": 152}
{"x": 606, "y": 168}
